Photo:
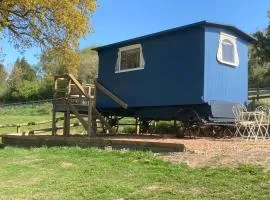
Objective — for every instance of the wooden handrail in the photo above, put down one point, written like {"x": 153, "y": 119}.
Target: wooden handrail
{"x": 111, "y": 95}
{"x": 78, "y": 85}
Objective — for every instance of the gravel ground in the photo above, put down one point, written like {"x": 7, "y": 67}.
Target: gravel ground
{"x": 202, "y": 152}
{"x": 226, "y": 152}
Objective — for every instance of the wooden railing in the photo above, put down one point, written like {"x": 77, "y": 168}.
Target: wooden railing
{"x": 255, "y": 94}
{"x": 72, "y": 95}
{"x": 72, "y": 88}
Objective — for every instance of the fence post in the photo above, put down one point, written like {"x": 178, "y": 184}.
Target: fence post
{"x": 258, "y": 94}
{"x": 18, "y": 128}
{"x": 137, "y": 126}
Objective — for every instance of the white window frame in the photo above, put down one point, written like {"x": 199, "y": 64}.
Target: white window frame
{"x": 233, "y": 40}
{"x": 130, "y": 47}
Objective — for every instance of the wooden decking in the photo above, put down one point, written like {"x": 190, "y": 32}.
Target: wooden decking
{"x": 124, "y": 142}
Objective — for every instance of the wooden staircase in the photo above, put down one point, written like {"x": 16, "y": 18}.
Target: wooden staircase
{"x": 74, "y": 97}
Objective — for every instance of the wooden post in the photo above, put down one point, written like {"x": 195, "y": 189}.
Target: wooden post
{"x": 18, "y": 128}
{"x": 174, "y": 125}
{"x": 258, "y": 94}
{"x": 54, "y": 108}
{"x": 137, "y": 126}
{"x": 94, "y": 125}
{"x": 89, "y": 128}
{"x": 66, "y": 130}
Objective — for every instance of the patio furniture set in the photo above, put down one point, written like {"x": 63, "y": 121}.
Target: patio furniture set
{"x": 252, "y": 125}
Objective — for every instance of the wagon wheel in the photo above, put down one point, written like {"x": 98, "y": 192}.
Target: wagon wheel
{"x": 229, "y": 132}
{"x": 221, "y": 132}
{"x": 191, "y": 123}
{"x": 114, "y": 122}
{"x": 193, "y": 131}
{"x": 148, "y": 126}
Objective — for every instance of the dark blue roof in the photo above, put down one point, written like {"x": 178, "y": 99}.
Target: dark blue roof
{"x": 232, "y": 28}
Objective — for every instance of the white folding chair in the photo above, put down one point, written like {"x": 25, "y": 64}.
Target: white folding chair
{"x": 263, "y": 122}
{"x": 241, "y": 120}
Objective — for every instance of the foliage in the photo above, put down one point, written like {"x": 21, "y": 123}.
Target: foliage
{"x": 3, "y": 74}
{"x": 259, "y": 59}
{"x": 51, "y": 64}
{"x": 22, "y": 70}
{"x": 23, "y": 81}
{"x": 56, "y": 25}
{"x": 26, "y": 91}
{"x": 262, "y": 46}
{"x": 88, "y": 67}
{"x": 3, "y": 81}
{"x": 76, "y": 173}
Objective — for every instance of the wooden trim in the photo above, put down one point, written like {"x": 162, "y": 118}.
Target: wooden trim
{"x": 111, "y": 95}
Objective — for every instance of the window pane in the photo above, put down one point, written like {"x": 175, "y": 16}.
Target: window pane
{"x": 228, "y": 51}
{"x": 130, "y": 59}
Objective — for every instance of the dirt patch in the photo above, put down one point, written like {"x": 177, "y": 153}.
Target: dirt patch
{"x": 225, "y": 152}
{"x": 67, "y": 165}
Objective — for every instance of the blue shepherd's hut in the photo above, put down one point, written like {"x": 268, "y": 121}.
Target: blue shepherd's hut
{"x": 201, "y": 68}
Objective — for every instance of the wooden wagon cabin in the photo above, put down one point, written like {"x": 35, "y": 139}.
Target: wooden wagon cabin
{"x": 197, "y": 71}
{"x": 194, "y": 74}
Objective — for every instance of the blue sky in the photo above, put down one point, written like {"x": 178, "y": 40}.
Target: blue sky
{"x": 117, "y": 20}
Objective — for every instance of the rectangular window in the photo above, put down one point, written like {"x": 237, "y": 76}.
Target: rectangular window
{"x": 130, "y": 58}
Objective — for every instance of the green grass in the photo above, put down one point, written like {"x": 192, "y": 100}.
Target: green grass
{"x": 75, "y": 173}
{"x": 27, "y": 110}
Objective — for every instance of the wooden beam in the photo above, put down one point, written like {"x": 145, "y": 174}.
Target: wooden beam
{"x": 66, "y": 130}
{"x": 103, "y": 121}
{"x": 54, "y": 107}
{"x": 78, "y": 85}
{"x": 77, "y": 114}
{"x": 111, "y": 95}
{"x": 89, "y": 128}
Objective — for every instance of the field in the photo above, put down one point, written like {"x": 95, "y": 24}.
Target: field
{"x": 210, "y": 169}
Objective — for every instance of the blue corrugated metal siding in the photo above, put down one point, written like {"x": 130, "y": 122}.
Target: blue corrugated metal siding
{"x": 223, "y": 82}
{"x": 173, "y": 73}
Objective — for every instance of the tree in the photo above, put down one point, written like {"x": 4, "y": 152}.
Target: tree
{"x": 259, "y": 59}
{"x": 3, "y": 75}
{"x": 261, "y": 49}
{"x": 23, "y": 81}
{"x": 50, "y": 65}
{"x": 88, "y": 67}
{"x": 21, "y": 71}
{"x": 56, "y": 25}
{"x": 3, "y": 82}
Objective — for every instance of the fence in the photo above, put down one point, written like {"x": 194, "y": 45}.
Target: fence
{"x": 30, "y": 124}
{"x": 255, "y": 94}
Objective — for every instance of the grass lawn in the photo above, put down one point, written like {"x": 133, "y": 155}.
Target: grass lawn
{"x": 75, "y": 173}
